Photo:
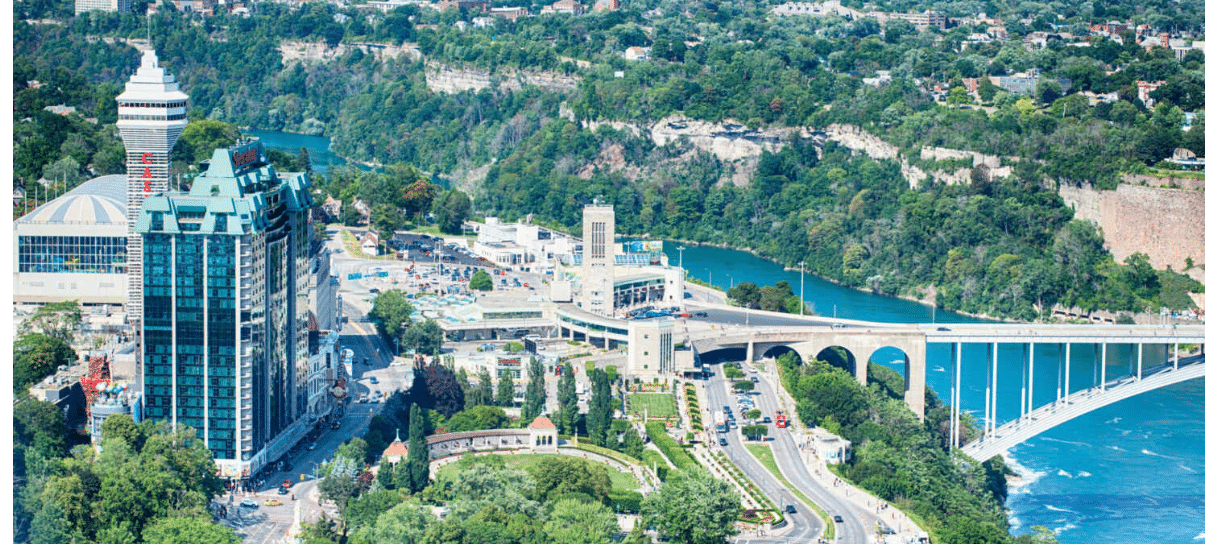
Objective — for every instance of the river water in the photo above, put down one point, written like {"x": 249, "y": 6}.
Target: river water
{"x": 1130, "y": 472}
{"x": 1133, "y": 471}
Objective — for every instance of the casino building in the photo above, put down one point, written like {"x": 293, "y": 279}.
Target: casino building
{"x": 225, "y": 308}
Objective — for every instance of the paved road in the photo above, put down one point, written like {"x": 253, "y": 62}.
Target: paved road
{"x": 787, "y": 456}
{"x": 806, "y": 525}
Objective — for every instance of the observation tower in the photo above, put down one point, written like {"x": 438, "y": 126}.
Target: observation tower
{"x": 152, "y": 114}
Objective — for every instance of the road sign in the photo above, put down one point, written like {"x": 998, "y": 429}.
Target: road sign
{"x": 355, "y": 276}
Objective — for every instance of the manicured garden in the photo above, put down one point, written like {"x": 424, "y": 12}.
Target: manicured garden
{"x": 658, "y": 405}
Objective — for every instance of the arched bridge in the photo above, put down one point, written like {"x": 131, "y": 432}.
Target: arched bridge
{"x": 999, "y": 439}
{"x": 862, "y": 339}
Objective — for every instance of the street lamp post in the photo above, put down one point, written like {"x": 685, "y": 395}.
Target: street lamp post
{"x": 680, "y": 249}
{"x": 801, "y": 288}
{"x": 395, "y": 347}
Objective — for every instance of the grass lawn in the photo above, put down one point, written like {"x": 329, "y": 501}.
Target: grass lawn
{"x": 764, "y": 455}
{"x": 353, "y": 247}
{"x": 659, "y": 405}
{"x": 621, "y": 481}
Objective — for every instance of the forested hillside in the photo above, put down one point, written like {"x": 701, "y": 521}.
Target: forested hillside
{"x": 1000, "y": 246}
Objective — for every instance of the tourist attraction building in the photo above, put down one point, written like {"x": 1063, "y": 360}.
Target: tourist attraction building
{"x": 74, "y": 247}
{"x": 152, "y": 114}
{"x": 225, "y": 308}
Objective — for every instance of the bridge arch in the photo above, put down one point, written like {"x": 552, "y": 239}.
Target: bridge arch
{"x": 777, "y": 351}
{"x": 897, "y": 360}
{"x": 721, "y": 355}
{"x": 840, "y": 357}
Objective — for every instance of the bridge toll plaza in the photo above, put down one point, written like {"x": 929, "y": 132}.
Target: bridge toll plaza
{"x": 1154, "y": 354}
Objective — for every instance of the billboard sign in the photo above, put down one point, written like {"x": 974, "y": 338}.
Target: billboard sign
{"x": 644, "y": 246}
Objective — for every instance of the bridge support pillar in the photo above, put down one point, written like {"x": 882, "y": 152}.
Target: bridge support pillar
{"x": 916, "y": 379}
{"x": 1104, "y": 350}
{"x": 1032, "y": 356}
{"x": 1176, "y": 355}
{"x": 1140, "y": 348}
{"x": 1066, "y": 384}
{"x": 749, "y": 352}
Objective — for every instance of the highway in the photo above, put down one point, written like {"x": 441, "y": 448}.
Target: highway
{"x": 787, "y": 455}
{"x": 806, "y": 525}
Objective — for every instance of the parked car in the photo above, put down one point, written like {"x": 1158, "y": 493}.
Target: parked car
{"x": 837, "y": 518}
{"x": 283, "y": 490}
{"x": 373, "y": 380}
{"x": 249, "y": 503}
{"x": 273, "y": 502}
{"x": 791, "y": 509}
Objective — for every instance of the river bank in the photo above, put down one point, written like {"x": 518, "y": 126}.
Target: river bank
{"x": 908, "y": 298}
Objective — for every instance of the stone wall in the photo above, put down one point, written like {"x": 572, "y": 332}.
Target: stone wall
{"x": 1167, "y": 224}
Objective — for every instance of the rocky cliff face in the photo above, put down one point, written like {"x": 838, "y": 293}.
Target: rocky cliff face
{"x": 295, "y": 51}
{"x": 1169, "y": 225}
{"x": 445, "y": 79}
{"x": 728, "y": 141}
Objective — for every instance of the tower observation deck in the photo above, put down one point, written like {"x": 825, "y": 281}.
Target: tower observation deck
{"x": 152, "y": 114}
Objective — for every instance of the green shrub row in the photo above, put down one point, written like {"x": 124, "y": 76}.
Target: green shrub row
{"x": 679, "y": 457}
{"x": 609, "y": 453}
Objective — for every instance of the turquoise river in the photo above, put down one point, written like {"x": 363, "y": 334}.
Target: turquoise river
{"x": 1130, "y": 472}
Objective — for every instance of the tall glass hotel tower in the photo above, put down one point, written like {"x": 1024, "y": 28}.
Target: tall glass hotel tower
{"x": 225, "y": 309}
{"x": 152, "y": 114}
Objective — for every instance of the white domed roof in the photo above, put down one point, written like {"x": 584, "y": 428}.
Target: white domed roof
{"x": 99, "y": 201}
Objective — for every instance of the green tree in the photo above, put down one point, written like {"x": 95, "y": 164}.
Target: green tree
{"x": 391, "y": 311}
{"x": 201, "y": 138}
{"x": 364, "y": 511}
{"x": 505, "y": 390}
{"x": 693, "y": 506}
{"x": 569, "y": 407}
{"x": 632, "y": 444}
{"x": 302, "y": 162}
{"x": 958, "y": 95}
{"x": 746, "y": 294}
{"x": 56, "y": 319}
{"x": 555, "y": 476}
{"x": 36, "y": 356}
{"x": 123, "y": 427}
{"x": 755, "y": 432}
{"x": 486, "y": 391}
{"x": 417, "y": 452}
{"x": 451, "y": 208}
{"x": 600, "y": 408}
{"x": 424, "y": 337}
{"x": 578, "y": 522}
{"x": 478, "y": 418}
{"x": 481, "y": 281}
{"x": 406, "y": 522}
{"x": 188, "y": 530}
{"x": 483, "y": 485}
{"x": 535, "y": 391}
{"x": 339, "y": 483}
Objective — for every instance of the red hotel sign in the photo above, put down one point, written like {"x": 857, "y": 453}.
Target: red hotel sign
{"x": 242, "y": 158}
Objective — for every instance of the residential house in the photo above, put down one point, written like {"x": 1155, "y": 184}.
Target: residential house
{"x": 570, "y": 7}
{"x": 637, "y": 53}
{"x": 370, "y": 243}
